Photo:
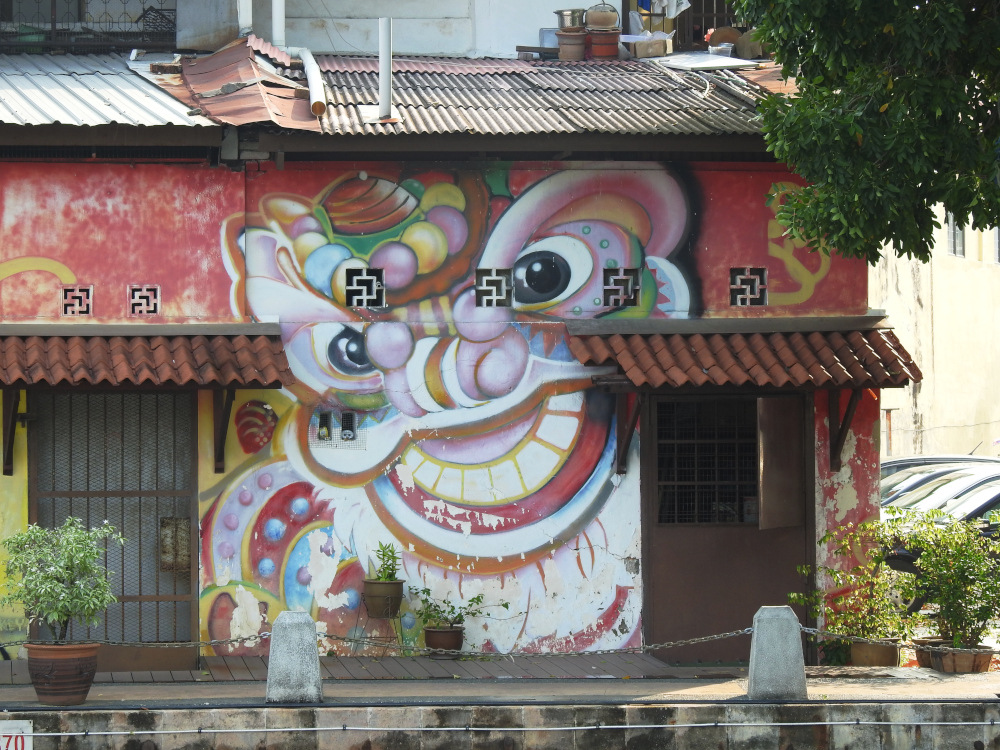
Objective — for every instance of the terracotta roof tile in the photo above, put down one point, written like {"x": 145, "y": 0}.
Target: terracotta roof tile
{"x": 183, "y": 360}
{"x": 872, "y": 358}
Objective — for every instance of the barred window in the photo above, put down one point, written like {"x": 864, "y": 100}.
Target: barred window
{"x": 707, "y": 461}
{"x": 956, "y": 237}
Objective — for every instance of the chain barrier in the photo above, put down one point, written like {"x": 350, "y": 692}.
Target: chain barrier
{"x": 409, "y": 650}
{"x": 888, "y": 642}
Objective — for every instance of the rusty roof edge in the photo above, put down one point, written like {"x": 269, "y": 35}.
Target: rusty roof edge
{"x": 648, "y": 327}
{"x": 149, "y": 330}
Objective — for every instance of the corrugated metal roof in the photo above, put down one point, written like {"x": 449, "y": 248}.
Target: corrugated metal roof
{"x": 84, "y": 90}
{"x": 515, "y": 96}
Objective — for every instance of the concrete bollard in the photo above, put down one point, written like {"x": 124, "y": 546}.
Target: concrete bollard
{"x": 293, "y": 669}
{"x": 777, "y": 666}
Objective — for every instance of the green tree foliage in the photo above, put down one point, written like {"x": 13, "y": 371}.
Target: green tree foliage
{"x": 896, "y": 112}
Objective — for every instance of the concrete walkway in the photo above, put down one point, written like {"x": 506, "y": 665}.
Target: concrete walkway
{"x": 852, "y": 684}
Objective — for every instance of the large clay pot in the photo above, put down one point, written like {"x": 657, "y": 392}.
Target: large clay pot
{"x": 874, "y": 655}
{"x": 953, "y": 661}
{"x": 571, "y": 44}
{"x": 924, "y": 657}
{"x": 382, "y": 598}
{"x": 447, "y": 639}
{"x": 604, "y": 44}
{"x": 62, "y": 673}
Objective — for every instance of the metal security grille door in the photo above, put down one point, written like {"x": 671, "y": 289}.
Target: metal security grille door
{"x": 129, "y": 458}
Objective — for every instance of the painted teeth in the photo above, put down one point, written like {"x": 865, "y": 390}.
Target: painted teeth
{"x": 523, "y": 470}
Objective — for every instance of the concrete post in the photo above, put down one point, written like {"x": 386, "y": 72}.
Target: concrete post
{"x": 777, "y": 666}
{"x": 293, "y": 669}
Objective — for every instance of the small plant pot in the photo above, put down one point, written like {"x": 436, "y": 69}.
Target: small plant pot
{"x": 62, "y": 673}
{"x": 874, "y": 655}
{"x": 383, "y": 598}
{"x": 446, "y": 639}
{"x": 924, "y": 657}
{"x": 952, "y": 661}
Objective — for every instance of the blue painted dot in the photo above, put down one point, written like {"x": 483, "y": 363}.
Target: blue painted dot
{"x": 409, "y": 621}
{"x": 612, "y": 263}
{"x": 266, "y": 567}
{"x": 321, "y": 264}
{"x": 586, "y": 230}
{"x": 577, "y": 310}
{"x": 356, "y": 632}
{"x": 604, "y": 243}
{"x": 274, "y": 529}
{"x": 597, "y": 300}
{"x": 353, "y": 598}
{"x": 300, "y": 506}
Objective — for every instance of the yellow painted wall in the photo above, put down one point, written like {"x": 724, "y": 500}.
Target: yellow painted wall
{"x": 947, "y": 315}
{"x": 14, "y": 518}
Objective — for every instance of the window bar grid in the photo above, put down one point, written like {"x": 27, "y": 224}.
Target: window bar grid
{"x": 707, "y": 461}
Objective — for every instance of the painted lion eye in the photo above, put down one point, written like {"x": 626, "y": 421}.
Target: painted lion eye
{"x": 347, "y": 353}
{"x": 540, "y": 277}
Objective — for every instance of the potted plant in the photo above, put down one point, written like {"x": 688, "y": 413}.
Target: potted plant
{"x": 959, "y": 578}
{"x": 861, "y": 597}
{"x": 384, "y": 593}
{"x": 444, "y": 620}
{"x": 58, "y": 576}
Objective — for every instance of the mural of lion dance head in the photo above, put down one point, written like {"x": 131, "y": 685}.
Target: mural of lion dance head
{"x": 480, "y": 452}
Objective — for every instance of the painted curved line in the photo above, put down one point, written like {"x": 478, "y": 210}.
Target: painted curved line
{"x": 33, "y": 263}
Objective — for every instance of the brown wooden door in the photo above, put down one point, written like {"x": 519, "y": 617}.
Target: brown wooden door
{"x": 708, "y": 565}
{"x": 130, "y": 458}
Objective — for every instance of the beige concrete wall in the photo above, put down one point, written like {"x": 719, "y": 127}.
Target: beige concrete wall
{"x": 467, "y": 28}
{"x": 946, "y": 313}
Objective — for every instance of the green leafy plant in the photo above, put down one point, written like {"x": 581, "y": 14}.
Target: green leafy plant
{"x": 896, "y": 113}
{"x": 443, "y": 613}
{"x": 959, "y": 574}
{"x": 57, "y": 575}
{"x": 862, "y": 597}
{"x": 388, "y": 563}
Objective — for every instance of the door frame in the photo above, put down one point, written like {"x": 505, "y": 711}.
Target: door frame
{"x": 131, "y": 658}
{"x": 648, "y": 483}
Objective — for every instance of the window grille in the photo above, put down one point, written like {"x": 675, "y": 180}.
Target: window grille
{"x": 706, "y": 461}
{"x": 34, "y": 26}
{"x": 956, "y": 237}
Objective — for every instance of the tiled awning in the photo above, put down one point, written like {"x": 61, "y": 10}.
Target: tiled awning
{"x": 209, "y": 361}
{"x": 832, "y": 359}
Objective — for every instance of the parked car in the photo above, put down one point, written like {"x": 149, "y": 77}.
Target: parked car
{"x": 974, "y": 503}
{"x": 916, "y": 476}
{"x": 891, "y": 465}
{"x": 937, "y": 493}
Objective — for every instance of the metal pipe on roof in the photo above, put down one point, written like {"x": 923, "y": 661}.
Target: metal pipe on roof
{"x": 278, "y": 23}
{"x": 314, "y": 78}
{"x": 244, "y": 16}
{"x": 384, "y": 68}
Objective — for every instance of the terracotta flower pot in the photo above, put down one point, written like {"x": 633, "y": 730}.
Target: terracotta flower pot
{"x": 952, "y": 661}
{"x": 382, "y": 598}
{"x": 924, "y": 657}
{"x": 874, "y": 655}
{"x": 62, "y": 673}
{"x": 571, "y": 44}
{"x": 604, "y": 44}
{"x": 447, "y": 639}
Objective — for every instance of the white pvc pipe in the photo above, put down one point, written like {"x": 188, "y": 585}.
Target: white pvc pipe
{"x": 384, "y": 68}
{"x": 244, "y": 17}
{"x": 314, "y": 78}
{"x": 278, "y": 23}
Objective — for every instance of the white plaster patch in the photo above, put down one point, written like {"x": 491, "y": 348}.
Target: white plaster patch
{"x": 247, "y": 617}
{"x": 323, "y": 569}
{"x": 225, "y": 576}
{"x": 405, "y": 476}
